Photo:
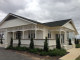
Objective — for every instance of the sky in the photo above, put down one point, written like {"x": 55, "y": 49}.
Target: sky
{"x": 43, "y": 10}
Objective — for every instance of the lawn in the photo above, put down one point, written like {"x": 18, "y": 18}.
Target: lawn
{"x": 78, "y": 58}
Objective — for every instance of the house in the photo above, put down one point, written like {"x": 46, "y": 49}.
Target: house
{"x": 62, "y": 29}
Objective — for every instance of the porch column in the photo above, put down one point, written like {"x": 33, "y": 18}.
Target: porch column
{"x": 60, "y": 36}
{"x": 13, "y": 35}
{"x": 35, "y": 31}
{"x": 65, "y": 37}
{"x": 23, "y": 34}
{"x": 35, "y": 34}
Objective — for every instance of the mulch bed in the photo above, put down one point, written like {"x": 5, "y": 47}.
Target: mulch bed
{"x": 36, "y": 56}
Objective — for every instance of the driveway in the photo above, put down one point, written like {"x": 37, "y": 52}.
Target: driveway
{"x": 73, "y": 54}
{"x": 9, "y": 55}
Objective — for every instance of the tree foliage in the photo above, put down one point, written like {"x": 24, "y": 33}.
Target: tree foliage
{"x": 31, "y": 44}
{"x": 46, "y": 44}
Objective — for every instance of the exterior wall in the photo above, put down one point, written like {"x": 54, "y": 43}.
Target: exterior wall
{"x": 37, "y": 43}
{"x": 13, "y": 23}
{"x": 69, "y": 25}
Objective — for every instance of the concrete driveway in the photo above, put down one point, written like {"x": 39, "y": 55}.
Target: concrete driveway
{"x": 9, "y": 55}
{"x": 74, "y": 53}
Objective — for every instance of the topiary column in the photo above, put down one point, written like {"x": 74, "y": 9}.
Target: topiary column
{"x": 77, "y": 41}
{"x": 11, "y": 42}
{"x": 46, "y": 44}
{"x": 70, "y": 42}
{"x": 31, "y": 44}
{"x": 19, "y": 38}
{"x": 58, "y": 45}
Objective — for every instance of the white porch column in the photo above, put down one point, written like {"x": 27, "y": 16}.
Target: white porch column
{"x": 23, "y": 34}
{"x": 65, "y": 38}
{"x": 35, "y": 32}
{"x": 13, "y": 35}
{"x": 60, "y": 36}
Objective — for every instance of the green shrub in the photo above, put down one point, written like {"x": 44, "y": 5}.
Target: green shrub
{"x": 58, "y": 46}
{"x": 77, "y": 45}
{"x": 11, "y": 42}
{"x": 43, "y": 53}
{"x": 57, "y": 52}
{"x": 31, "y": 44}
{"x": 46, "y": 45}
{"x": 19, "y": 38}
{"x": 77, "y": 41}
{"x": 70, "y": 43}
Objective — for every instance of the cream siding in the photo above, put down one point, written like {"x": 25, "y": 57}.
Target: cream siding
{"x": 14, "y": 23}
{"x": 69, "y": 26}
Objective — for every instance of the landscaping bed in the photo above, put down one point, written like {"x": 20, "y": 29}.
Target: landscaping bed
{"x": 78, "y": 58}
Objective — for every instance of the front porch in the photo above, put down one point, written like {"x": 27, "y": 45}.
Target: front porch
{"x": 39, "y": 34}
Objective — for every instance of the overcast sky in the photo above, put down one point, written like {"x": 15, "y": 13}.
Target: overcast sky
{"x": 43, "y": 10}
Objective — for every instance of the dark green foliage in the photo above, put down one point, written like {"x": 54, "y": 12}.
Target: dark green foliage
{"x": 31, "y": 44}
{"x": 46, "y": 44}
{"x": 70, "y": 43}
{"x": 43, "y": 53}
{"x": 58, "y": 46}
{"x": 11, "y": 42}
{"x": 77, "y": 42}
{"x": 19, "y": 38}
{"x": 54, "y": 52}
{"x": 57, "y": 52}
{"x": 1, "y": 38}
{"x": 1, "y": 41}
{"x": 77, "y": 45}
{"x": 19, "y": 42}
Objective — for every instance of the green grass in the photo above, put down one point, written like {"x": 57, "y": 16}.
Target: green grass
{"x": 78, "y": 58}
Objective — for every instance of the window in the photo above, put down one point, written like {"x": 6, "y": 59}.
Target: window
{"x": 31, "y": 34}
{"x": 49, "y": 34}
{"x": 18, "y": 34}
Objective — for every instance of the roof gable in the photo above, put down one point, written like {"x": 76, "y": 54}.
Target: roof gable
{"x": 56, "y": 23}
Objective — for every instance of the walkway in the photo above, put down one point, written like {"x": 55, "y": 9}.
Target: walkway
{"x": 74, "y": 53}
{"x": 9, "y": 55}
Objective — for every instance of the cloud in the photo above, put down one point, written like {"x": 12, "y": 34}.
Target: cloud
{"x": 43, "y": 10}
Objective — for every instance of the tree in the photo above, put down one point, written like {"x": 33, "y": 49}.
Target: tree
{"x": 1, "y": 39}
{"x": 11, "y": 42}
{"x": 77, "y": 41}
{"x": 46, "y": 44}
{"x": 31, "y": 44}
{"x": 70, "y": 42}
{"x": 58, "y": 45}
{"x": 19, "y": 38}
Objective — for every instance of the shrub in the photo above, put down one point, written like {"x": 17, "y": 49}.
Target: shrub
{"x": 46, "y": 45}
{"x": 58, "y": 46}
{"x": 77, "y": 41}
{"x": 57, "y": 52}
{"x": 70, "y": 42}
{"x": 43, "y": 53}
{"x": 1, "y": 41}
{"x": 11, "y": 42}
{"x": 31, "y": 44}
{"x": 19, "y": 38}
{"x": 77, "y": 45}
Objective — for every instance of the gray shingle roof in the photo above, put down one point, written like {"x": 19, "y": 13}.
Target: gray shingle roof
{"x": 50, "y": 24}
{"x": 56, "y": 23}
